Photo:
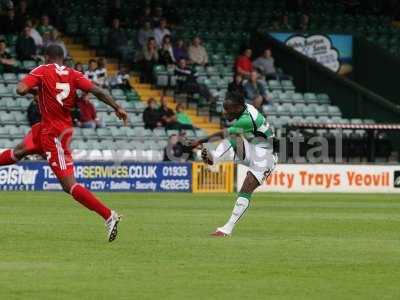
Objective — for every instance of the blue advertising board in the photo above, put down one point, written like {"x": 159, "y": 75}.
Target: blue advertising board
{"x": 101, "y": 176}
{"x": 335, "y": 51}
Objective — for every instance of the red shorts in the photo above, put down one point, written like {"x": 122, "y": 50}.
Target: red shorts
{"x": 52, "y": 145}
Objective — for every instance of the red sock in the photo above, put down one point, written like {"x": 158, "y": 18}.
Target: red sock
{"x": 7, "y": 157}
{"x": 87, "y": 199}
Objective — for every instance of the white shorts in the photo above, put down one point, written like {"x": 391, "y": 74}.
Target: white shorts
{"x": 260, "y": 161}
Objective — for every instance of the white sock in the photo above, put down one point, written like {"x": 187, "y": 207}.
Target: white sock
{"x": 240, "y": 208}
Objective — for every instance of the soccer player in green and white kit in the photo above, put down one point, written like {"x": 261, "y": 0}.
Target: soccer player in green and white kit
{"x": 260, "y": 160}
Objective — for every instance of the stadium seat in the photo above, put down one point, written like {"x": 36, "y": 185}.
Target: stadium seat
{"x": 287, "y": 85}
{"x": 334, "y": 111}
{"x": 310, "y": 98}
{"x": 10, "y": 78}
{"x": 323, "y": 99}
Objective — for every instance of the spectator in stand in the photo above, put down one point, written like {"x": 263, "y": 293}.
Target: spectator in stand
{"x": 174, "y": 150}
{"x": 158, "y": 15}
{"x": 117, "y": 41}
{"x": 266, "y": 65}
{"x": 182, "y": 117}
{"x": 33, "y": 111}
{"x": 121, "y": 80}
{"x": 254, "y": 91}
{"x": 169, "y": 118}
{"x": 151, "y": 115}
{"x": 146, "y": 17}
{"x": 35, "y": 34}
{"x": 285, "y": 25}
{"x": 180, "y": 51}
{"x": 9, "y": 23}
{"x": 304, "y": 23}
{"x": 101, "y": 73}
{"x": 186, "y": 81}
{"x": 90, "y": 73}
{"x": 7, "y": 63}
{"x": 166, "y": 53}
{"x": 22, "y": 15}
{"x": 236, "y": 86}
{"x": 56, "y": 40}
{"x": 161, "y": 31}
{"x": 197, "y": 53}
{"x": 167, "y": 115}
{"x": 79, "y": 67}
{"x": 45, "y": 25}
{"x": 150, "y": 59}
{"x": 243, "y": 64}
{"x": 87, "y": 113}
{"x": 25, "y": 46}
{"x": 275, "y": 24}
{"x": 145, "y": 32}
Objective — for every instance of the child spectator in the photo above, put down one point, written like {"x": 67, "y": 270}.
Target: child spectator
{"x": 101, "y": 73}
{"x": 166, "y": 54}
{"x": 87, "y": 113}
{"x": 90, "y": 73}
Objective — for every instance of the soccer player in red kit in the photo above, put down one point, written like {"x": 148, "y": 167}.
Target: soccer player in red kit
{"x": 56, "y": 87}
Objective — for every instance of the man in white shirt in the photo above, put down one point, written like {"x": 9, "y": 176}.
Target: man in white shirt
{"x": 35, "y": 34}
{"x": 161, "y": 31}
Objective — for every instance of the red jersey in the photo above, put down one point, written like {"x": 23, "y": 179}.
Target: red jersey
{"x": 57, "y": 93}
{"x": 244, "y": 63}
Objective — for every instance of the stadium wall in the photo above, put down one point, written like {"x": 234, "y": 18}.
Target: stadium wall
{"x": 376, "y": 69}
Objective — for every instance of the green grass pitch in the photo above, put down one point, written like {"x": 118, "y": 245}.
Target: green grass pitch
{"x": 310, "y": 246}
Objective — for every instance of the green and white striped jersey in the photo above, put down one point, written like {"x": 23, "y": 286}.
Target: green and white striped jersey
{"x": 251, "y": 123}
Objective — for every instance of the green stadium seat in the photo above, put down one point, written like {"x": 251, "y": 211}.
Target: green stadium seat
{"x": 310, "y": 119}
{"x": 310, "y": 98}
{"x": 274, "y": 85}
{"x": 29, "y": 64}
{"x": 323, "y": 99}
{"x": 160, "y": 132}
{"x": 89, "y": 133}
{"x": 10, "y": 78}
{"x": 4, "y": 91}
{"x": 334, "y": 111}
{"x": 139, "y": 106}
{"x": 308, "y": 110}
{"x": 321, "y": 110}
{"x": 7, "y": 118}
{"x": 103, "y": 132}
{"x": 287, "y": 85}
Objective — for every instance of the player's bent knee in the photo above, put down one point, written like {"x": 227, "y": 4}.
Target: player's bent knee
{"x": 67, "y": 183}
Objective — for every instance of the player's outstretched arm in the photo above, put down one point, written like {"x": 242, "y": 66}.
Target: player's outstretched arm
{"x": 23, "y": 89}
{"x": 211, "y": 138}
{"x": 105, "y": 97}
